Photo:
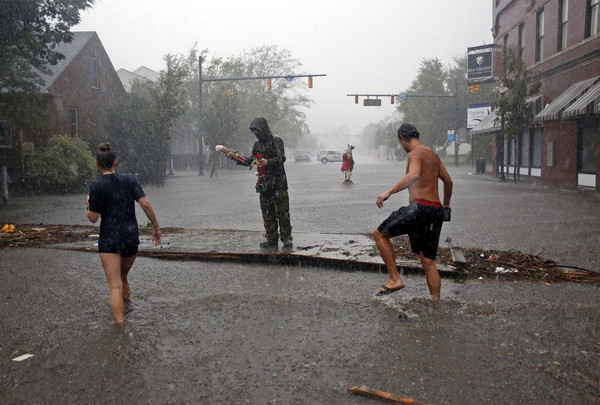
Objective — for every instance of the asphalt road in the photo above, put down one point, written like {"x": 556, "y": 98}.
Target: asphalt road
{"x": 202, "y": 332}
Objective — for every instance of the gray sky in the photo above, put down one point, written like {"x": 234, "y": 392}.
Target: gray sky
{"x": 373, "y": 46}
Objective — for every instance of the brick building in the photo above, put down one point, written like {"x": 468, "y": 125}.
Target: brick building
{"x": 559, "y": 42}
{"x": 79, "y": 91}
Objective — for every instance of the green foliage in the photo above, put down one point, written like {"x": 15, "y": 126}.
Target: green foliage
{"x": 434, "y": 116}
{"x": 513, "y": 112}
{"x": 513, "y": 90}
{"x": 229, "y": 106}
{"x": 431, "y": 115}
{"x": 141, "y": 127}
{"x": 28, "y": 34}
{"x": 64, "y": 166}
{"x": 24, "y": 110}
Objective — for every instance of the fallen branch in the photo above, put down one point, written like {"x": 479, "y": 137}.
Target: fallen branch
{"x": 382, "y": 395}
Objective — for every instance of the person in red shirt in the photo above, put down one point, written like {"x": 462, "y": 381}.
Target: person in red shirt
{"x": 347, "y": 163}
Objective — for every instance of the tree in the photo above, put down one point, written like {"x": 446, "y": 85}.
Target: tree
{"x": 514, "y": 114}
{"x": 229, "y": 106}
{"x": 29, "y": 32}
{"x": 434, "y": 116}
{"x": 141, "y": 126}
{"x": 64, "y": 166}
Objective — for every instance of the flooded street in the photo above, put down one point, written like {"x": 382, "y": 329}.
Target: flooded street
{"x": 206, "y": 332}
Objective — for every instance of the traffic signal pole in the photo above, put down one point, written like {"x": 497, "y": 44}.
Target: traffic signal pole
{"x": 403, "y": 96}
{"x": 202, "y": 80}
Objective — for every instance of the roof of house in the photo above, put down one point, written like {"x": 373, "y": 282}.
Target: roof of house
{"x": 70, "y": 50}
{"x": 147, "y": 73}
{"x": 141, "y": 74}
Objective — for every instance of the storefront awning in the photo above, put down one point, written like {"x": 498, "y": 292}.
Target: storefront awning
{"x": 580, "y": 107}
{"x": 554, "y": 111}
{"x": 486, "y": 125}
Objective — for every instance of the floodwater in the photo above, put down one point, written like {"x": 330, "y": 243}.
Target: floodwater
{"x": 205, "y": 332}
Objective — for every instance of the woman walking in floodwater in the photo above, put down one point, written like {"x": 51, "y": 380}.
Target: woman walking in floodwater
{"x": 112, "y": 198}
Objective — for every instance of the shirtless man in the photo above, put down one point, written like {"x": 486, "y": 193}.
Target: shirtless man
{"x": 422, "y": 219}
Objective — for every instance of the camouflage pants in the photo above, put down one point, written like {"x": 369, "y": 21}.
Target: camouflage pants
{"x": 275, "y": 209}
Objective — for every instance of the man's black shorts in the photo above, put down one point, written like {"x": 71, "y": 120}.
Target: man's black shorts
{"x": 422, "y": 223}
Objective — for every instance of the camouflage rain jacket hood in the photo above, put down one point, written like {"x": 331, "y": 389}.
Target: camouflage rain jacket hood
{"x": 272, "y": 148}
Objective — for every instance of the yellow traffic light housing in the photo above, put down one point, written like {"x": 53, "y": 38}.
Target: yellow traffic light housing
{"x": 356, "y": 99}
{"x": 392, "y": 99}
{"x": 269, "y": 85}
{"x": 310, "y": 82}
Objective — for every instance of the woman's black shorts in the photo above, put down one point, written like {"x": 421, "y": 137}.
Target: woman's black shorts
{"x": 124, "y": 246}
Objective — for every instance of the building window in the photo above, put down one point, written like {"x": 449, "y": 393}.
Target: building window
{"x": 586, "y": 150}
{"x": 521, "y": 41}
{"x": 539, "y": 35}
{"x": 95, "y": 68}
{"x": 5, "y": 139}
{"x": 536, "y": 145}
{"x": 73, "y": 121}
{"x": 525, "y": 148}
{"x": 563, "y": 20}
{"x": 591, "y": 18}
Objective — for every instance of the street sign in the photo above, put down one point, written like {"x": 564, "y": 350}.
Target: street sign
{"x": 401, "y": 96}
{"x": 372, "y": 102}
{"x": 450, "y": 135}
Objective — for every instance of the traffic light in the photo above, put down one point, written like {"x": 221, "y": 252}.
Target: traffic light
{"x": 229, "y": 94}
{"x": 392, "y": 99}
{"x": 356, "y": 99}
{"x": 310, "y": 82}
{"x": 269, "y": 86}
{"x": 474, "y": 88}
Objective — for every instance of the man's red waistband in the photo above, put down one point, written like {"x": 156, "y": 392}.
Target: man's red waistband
{"x": 420, "y": 201}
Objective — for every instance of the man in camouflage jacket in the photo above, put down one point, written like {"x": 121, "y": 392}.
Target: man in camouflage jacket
{"x": 272, "y": 186}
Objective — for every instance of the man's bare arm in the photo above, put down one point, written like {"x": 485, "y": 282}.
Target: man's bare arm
{"x": 412, "y": 176}
{"x": 448, "y": 184}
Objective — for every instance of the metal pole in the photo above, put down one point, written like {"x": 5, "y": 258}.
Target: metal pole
{"x": 200, "y": 82}
{"x": 501, "y": 148}
{"x": 200, "y": 143}
{"x": 456, "y": 121}
{"x": 4, "y": 185}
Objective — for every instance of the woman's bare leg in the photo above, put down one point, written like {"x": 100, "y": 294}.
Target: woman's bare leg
{"x": 111, "y": 263}
{"x": 126, "y": 263}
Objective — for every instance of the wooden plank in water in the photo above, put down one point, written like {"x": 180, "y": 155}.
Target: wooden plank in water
{"x": 457, "y": 255}
{"x": 382, "y": 395}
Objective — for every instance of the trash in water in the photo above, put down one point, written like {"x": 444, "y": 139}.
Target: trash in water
{"x": 23, "y": 357}
{"x": 502, "y": 270}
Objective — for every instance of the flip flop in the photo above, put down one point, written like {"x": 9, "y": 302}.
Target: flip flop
{"x": 387, "y": 290}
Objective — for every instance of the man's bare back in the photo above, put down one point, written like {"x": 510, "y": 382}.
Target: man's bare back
{"x": 431, "y": 169}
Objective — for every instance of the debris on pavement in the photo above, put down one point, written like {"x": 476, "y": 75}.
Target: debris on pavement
{"x": 382, "y": 395}
{"x": 474, "y": 263}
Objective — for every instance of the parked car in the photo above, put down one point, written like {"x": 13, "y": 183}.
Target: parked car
{"x": 302, "y": 156}
{"x": 326, "y": 156}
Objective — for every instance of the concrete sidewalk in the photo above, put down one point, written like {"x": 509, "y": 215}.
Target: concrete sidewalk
{"x": 345, "y": 251}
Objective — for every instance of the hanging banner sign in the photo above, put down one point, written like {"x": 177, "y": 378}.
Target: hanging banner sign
{"x": 480, "y": 63}
{"x": 477, "y": 112}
